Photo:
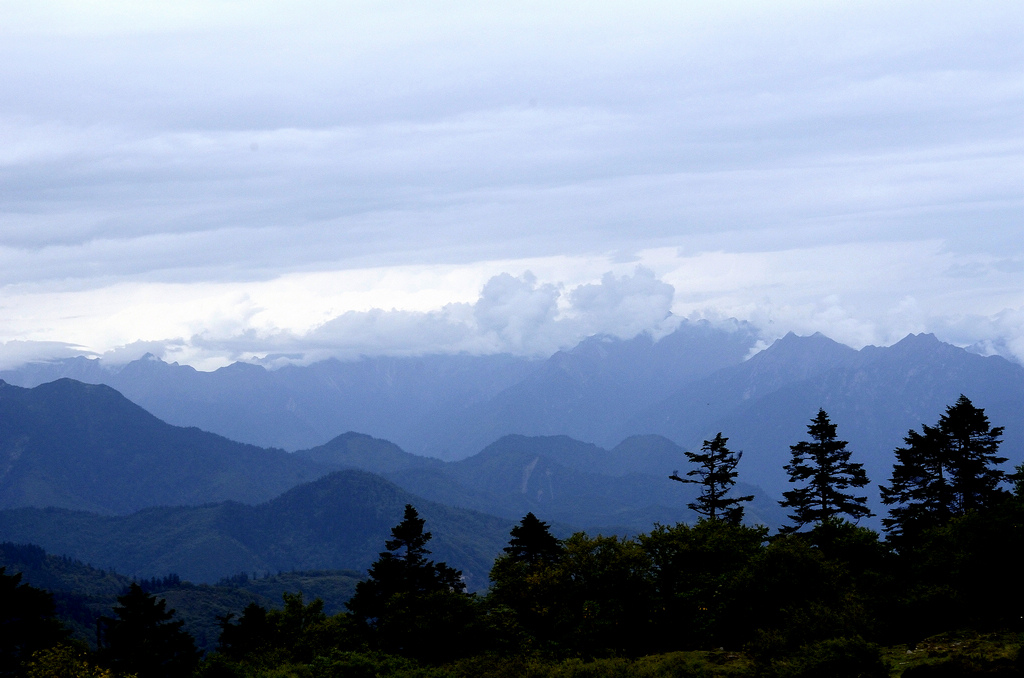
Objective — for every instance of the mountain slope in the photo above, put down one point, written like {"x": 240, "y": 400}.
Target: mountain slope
{"x": 337, "y": 522}
{"x": 74, "y": 445}
{"x": 572, "y": 482}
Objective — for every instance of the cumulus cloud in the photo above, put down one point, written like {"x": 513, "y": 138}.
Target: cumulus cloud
{"x": 513, "y": 314}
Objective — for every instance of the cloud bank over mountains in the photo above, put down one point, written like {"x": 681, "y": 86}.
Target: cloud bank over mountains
{"x": 306, "y": 177}
{"x": 518, "y": 315}
{"x": 524, "y": 315}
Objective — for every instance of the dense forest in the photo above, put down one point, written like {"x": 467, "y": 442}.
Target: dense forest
{"x": 938, "y": 593}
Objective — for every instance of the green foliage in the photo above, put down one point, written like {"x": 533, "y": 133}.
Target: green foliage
{"x": 333, "y": 587}
{"x": 532, "y": 542}
{"x": 64, "y": 661}
{"x": 600, "y": 596}
{"x": 832, "y": 658}
{"x": 944, "y": 472}
{"x": 823, "y": 463}
{"x": 523, "y": 585}
{"x": 953, "y": 655}
{"x": 966, "y": 574}
{"x": 716, "y": 471}
{"x": 695, "y": 570}
{"x": 297, "y": 633}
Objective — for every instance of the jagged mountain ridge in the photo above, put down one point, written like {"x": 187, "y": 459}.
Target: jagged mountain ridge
{"x": 444, "y": 406}
{"x": 874, "y": 396}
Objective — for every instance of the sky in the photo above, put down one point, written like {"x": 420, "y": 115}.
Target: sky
{"x": 287, "y": 181}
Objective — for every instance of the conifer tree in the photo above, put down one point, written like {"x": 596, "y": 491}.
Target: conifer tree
{"x": 944, "y": 471}
{"x": 716, "y": 471}
{"x": 824, "y": 465}
{"x": 403, "y": 569}
{"x": 532, "y": 542}
{"x": 143, "y": 639}
{"x": 410, "y": 604}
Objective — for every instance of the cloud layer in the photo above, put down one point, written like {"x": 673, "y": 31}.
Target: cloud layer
{"x": 205, "y": 172}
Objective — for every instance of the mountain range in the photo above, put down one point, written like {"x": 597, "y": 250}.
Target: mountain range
{"x": 585, "y": 439}
{"x": 686, "y": 387}
{"x": 447, "y": 406}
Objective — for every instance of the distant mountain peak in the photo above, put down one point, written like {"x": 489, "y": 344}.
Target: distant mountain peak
{"x": 816, "y": 347}
{"x": 922, "y": 338}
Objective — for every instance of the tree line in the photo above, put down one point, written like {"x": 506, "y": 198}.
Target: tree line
{"x": 818, "y": 598}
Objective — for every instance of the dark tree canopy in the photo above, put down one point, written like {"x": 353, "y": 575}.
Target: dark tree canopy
{"x": 27, "y": 622}
{"x": 144, "y": 640}
{"x": 532, "y": 542}
{"x": 823, "y": 465}
{"x": 716, "y": 474}
{"x": 944, "y": 471}
{"x": 252, "y": 634}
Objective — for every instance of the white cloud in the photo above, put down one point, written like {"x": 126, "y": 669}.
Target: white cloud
{"x": 513, "y": 314}
{"x": 16, "y": 353}
{"x": 856, "y": 293}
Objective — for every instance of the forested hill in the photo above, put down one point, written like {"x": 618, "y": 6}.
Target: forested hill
{"x": 337, "y": 522}
{"x": 84, "y": 593}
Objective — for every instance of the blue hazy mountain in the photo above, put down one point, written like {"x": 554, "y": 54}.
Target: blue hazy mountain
{"x": 585, "y": 392}
{"x": 83, "y": 446}
{"x": 874, "y": 396}
{"x": 297, "y": 407}
{"x": 686, "y": 387}
{"x": 625, "y": 489}
{"x": 444, "y": 406}
{"x": 86, "y": 448}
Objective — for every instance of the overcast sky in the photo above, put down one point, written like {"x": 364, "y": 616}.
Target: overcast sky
{"x": 213, "y": 181}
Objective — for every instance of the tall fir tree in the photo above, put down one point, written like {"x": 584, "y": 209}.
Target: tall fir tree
{"x": 524, "y": 582}
{"x": 532, "y": 542}
{"x": 409, "y": 604}
{"x": 823, "y": 465}
{"x": 143, "y": 640}
{"x": 944, "y": 471}
{"x": 716, "y": 474}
